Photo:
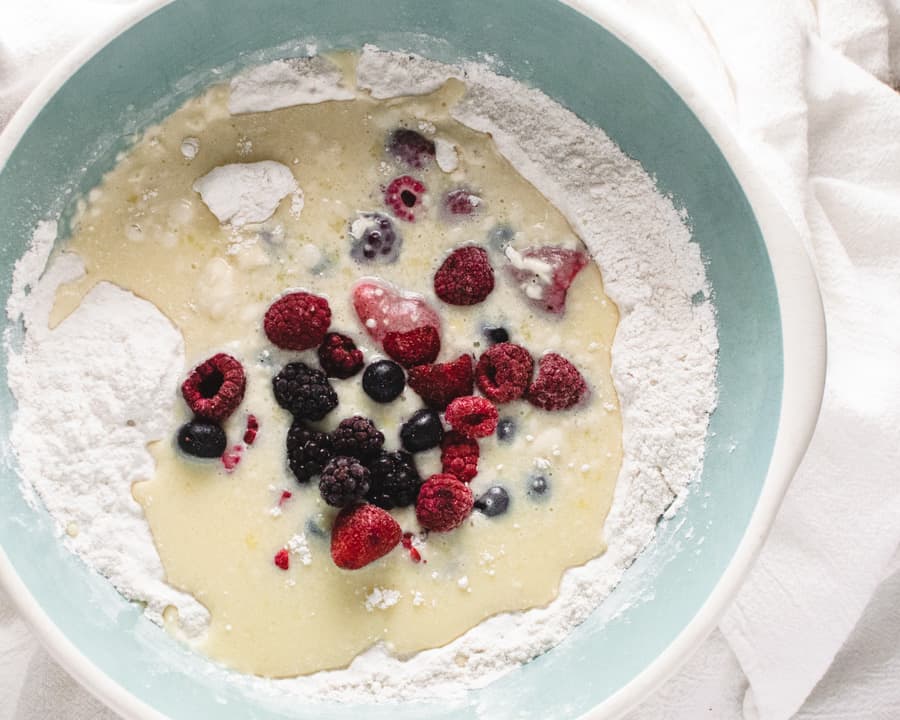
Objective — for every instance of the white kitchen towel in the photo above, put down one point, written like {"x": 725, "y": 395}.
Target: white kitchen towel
{"x": 807, "y": 87}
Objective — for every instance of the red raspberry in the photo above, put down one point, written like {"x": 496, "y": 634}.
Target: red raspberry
{"x": 459, "y": 456}
{"x": 471, "y": 416}
{"x": 504, "y": 372}
{"x": 551, "y": 291}
{"x": 402, "y": 195}
{"x": 283, "y": 559}
{"x": 465, "y": 278}
{"x": 461, "y": 202}
{"x": 558, "y": 385}
{"x": 444, "y": 503}
{"x": 438, "y": 384}
{"x": 215, "y": 387}
{"x": 362, "y": 534}
{"x": 297, "y": 321}
{"x": 339, "y": 356}
{"x": 415, "y": 347}
{"x": 381, "y": 309}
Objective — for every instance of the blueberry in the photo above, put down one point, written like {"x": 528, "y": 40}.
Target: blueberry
{"x": 538, "y": 485}
{"x": 374, "y": 238}
{"x": 506, "y": 429}
{"x": 383, "y": 381}
{"x": 422, "y": 431}
{"x": 500, "y": 237}
{"x": 410, "y": 147}
{"x": 495, "y": 501}
{"x": 496, "y": 334}
{"x": 202, "y": 438}
{"x": 314, "y": 528}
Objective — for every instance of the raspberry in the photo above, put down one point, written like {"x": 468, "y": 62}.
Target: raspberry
{"x": 362, "y": 534}
{"x": 344, "y": 481}
{"x": 459, "y": 456}
{"x": 394, "y": 480}
{"x": 402, "y": 195}
{"x": 504, "y": 372}
{"x": 308, "y": 451}
{"x": 471, "y": 416}
{"x": 547, "y": 284}
{"x": 215, "y": 387}
{"x": 382, "y": 309}
{"x": 339, "y": 356}
{"x": 357, "y": 437}
{"x": 461, "y": 202}
{"x": 558, "y": 385}
{"x": 297, "y": 321}
{"x": 304, "y": 391}
{"x": 465, "y": 277}
{"x": 438, "y": 384}
{"x": 410, "y": 147}
{"x": 374, "y": 239}
{"x": 444, "y": 503}
{"x": 283, "y": 559}
{"x": 415, "y": 347}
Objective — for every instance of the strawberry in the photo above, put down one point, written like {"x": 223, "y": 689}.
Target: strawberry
{"x": 438, "y": 384}
{"x": 416, "y": 347}
{"x": 362, "y": 534}
{"x": 558, "y": 385}
{"x": 383, "y": 309}
{"x": 545, "y": 274}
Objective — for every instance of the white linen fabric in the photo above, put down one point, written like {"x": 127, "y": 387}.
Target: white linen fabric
{"x": 809, "y": 88}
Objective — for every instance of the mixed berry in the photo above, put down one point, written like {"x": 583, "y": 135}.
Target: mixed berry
{"x": 353, "y": 465}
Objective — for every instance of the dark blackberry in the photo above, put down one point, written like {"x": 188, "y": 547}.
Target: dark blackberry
{"x": 410, "y": 147}
{"x": 374, "y": 239}
{"x": 506, "y": 429}
{"x": 422, "y": 431}
{"x": 357, "y": 437}
{"x": 202, "y": 438}
{"x": 339, "y": 356}
{"x": 496, "y": 334}
{"x": 307, "y": 450}
{"x": 495, "y": 501}
{"x": 393, "y": 480}
{"x": 383, "y": 381}
{"x": 304, "y": 391}
{"x": 343, "y": 481}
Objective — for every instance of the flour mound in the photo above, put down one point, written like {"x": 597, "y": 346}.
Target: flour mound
{"x": 243, "y": 193}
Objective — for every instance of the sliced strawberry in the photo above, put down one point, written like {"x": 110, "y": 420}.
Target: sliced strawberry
{"x": 544, "y": 274}
{"x": 438, "y": 384}
{"x": 416, "y": 347}
{"x": 383, "y": 309}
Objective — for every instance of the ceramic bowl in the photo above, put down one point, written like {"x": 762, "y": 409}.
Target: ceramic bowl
{"x": 771, "y": 357}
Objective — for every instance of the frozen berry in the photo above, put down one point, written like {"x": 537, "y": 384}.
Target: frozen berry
{"x": 443, "y": 503}
{"x": 374, "y": 239}
{"x": 383, "y": 381}
{"x": 394, "y": 481}
{"x": 438, "y": 384}
{"x": 402, "y": 195}
{"x": 496, "y": 335}
{"x": 494, "y": 501}
{"x": 459, "y": 456}
{"x": 410, "y": 147}
{"x": 215, "y": 387}
{"x": 506, "y": 429}
{"x": 415, "y": 347}
{"x": 357, "y": 437}
{"x": 504, "y": 371}
{"x": 383, "y": 309}
{"x": 500, "y": 237}
{"x": 362, "y": 534}
{"x": 283, "y": 559}
{"x": 473, "y": 417}
{"x": 538, "y": 485}
{"x": 307, "y": 451}
{"x": 297, "y": 321}
{"x": 202, "y": 438}
{"x": 422, "y": 431}
{"x": 545, "y": 274}
{"x": 461, "y": 202}
{"x": 339, "y": 356}
{"x": 344, "y": 481}
{"x": 558, "y": 385}
{"x": 465, "y": 277}
{"x": 304, "y": 391}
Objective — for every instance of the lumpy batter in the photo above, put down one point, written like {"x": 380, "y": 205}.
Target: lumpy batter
{"x": 217, "y": 526}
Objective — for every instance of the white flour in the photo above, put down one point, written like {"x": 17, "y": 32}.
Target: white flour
{"x": 243, "y": 193}
{"x": 664, "y": 360}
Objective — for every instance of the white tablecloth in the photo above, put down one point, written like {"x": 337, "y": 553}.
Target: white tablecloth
{"x": 809, "y": 88}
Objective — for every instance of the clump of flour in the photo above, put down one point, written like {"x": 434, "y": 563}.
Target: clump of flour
{"x": 663, "y": 360}
{"x": 297, "y": 81}
{"x": 242, "y": 193}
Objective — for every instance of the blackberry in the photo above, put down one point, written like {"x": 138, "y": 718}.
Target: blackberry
{"x": 344, "y": 481}
{"x": 304, "y": 391}
{"x": 202, "y": 438}
{"x": 374, "y": 238}
{"x": 357, "y": 437}
{"x": 307, "y": 450}
{"x": 422, "y": 431}
{"x": 339, "y": 356}
{"x": 410, "y": 147}
{"x": 383, "y": 381}
{"x": 393, "y": 480}
{"x": 495, "y": 501}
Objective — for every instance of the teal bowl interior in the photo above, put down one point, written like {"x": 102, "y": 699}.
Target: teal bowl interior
{"x": 152, "y": 68}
